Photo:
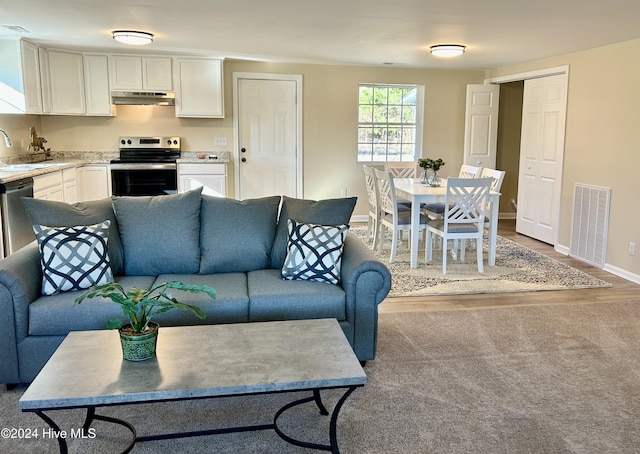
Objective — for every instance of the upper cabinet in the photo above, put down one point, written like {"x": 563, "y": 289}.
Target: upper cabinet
{"x": 96, "y": 85}
{"x": 62, "y": 74}
{"x": 19, "y": 77}
{"x": 199, "y": 88}
{"x": 132, "y": 72}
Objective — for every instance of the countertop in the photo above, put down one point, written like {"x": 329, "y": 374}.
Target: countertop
{"x": 19, "y": 170}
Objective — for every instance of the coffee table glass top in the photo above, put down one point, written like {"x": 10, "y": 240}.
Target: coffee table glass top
{"x": 196, "y": 361}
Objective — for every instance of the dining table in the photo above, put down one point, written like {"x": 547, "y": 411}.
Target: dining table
{"x": 419, "y": 193}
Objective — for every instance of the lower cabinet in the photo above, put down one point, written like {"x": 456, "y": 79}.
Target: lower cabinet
{"x": 211, "y": 177}
{"x": 49, "y": 186}
{"x": 94, "y": 182}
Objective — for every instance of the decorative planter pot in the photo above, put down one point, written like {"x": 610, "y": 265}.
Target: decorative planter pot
{"x": 138, "y": 347}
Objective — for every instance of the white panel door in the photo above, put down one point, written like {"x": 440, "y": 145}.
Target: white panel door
{"x": 268, "y": 138}
{"x": 481, "y": 125}
{"x": 541, "y": 157}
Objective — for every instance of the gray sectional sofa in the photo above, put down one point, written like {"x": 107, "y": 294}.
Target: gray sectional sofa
{"x": 236, "y": 247}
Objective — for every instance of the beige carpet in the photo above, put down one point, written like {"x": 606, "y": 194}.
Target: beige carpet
{"x": 557, "y": 379}
{"x": 518, "y": 269}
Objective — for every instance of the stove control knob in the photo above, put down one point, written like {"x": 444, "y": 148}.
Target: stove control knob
{"x": 122, "y": 142}
{"x": 129, "y": 141}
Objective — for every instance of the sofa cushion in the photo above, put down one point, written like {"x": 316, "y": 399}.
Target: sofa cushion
{"x": 271, "y": 298}
{"x": 325, "y": 212}
{"x": 236, "y": 235}
{"x": 160, "y": 234}
{"x": 314, "y": 252}
{"x": 73, "y": 258}
{"x": 230, "y": 306}
{"x": 60, "y": 214}
{"x": 57, "y": 314}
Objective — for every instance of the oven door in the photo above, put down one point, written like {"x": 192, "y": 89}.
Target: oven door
{"x": 136, "y": 179}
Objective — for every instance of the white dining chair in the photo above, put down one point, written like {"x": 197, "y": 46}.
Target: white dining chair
{"x": 404, "y": 169}
{"x": 463, "y": 218}
{"x": 373, "y": 219}
{"x": 466, "y": 171}
{"x": 392, "y": 215}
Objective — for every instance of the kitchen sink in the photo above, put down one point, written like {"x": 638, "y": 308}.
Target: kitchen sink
{"x": 29, "y": 166}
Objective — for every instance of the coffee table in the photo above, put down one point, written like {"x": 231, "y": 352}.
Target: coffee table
{"x": 194, "y": 362}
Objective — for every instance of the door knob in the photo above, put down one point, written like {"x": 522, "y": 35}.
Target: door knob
{"x": 244, "y": 159}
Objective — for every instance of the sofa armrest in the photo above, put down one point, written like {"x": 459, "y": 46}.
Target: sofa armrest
{"x": 20, "y": 284}
{"x": 366, "y": 282}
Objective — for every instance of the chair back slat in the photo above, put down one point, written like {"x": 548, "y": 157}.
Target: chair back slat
{"x": 407, "y": 169}
{"x": 372, "y": 187}
{"x": 496, "y": 175}
{"x": 466, "y": 201}
{"x": 467, "y": 171}
{"x": 386, "y": 191}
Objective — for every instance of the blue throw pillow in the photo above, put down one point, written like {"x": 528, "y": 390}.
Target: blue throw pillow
{"x": 314, "y": 252}
{"x": 160, "y": 234}
{"x": 73, "y": 258}
{"x": 323, "y": 212}
{"x": 60, "y": 214}
{"x": 237, "y": 236}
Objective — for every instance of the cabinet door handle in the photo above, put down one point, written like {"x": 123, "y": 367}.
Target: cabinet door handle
{"x": 244, "y": 160}
{"x": 244, "y": 150}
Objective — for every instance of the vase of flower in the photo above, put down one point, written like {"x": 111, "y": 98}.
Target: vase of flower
{"x": 430, "y": 174}
{"x": 434, "y": 179}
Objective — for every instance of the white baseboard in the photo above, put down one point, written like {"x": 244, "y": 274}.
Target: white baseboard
{"x": 624, "y": 274}
{"x": 359, "y": 218}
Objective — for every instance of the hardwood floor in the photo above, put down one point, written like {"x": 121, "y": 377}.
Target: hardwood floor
{"x": 622, "y": 289}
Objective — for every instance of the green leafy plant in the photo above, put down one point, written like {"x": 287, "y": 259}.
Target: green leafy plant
{"x": 139, "y": 306}
{"x": 428, "y": 163}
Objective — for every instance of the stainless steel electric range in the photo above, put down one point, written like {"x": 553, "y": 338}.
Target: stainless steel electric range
{"x": 147, "y": 166}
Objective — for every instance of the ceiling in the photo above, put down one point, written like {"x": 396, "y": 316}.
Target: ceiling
{"x": 358, "y": 32}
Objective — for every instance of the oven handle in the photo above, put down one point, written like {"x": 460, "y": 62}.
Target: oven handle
{"x": 143, "y": 166}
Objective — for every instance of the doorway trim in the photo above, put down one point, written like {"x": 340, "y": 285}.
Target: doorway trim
{"x": 297, "y": 78}
{"x": 562, "y": 70}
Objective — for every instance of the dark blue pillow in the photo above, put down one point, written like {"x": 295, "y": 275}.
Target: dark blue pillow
{"x": 324, "y": 212}
{"x": 237, "y": 236}
{"x": 160, "y": 234}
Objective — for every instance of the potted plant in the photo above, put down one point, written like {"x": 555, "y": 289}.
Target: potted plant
{"x": 432, "y": 177}
{"x": 138, "y": 334}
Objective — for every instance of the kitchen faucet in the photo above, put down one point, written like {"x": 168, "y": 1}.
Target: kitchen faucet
{"x": 7, "y": 140}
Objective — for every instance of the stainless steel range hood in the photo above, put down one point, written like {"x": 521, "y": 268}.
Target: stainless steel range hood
{"x": 143, "y": 98}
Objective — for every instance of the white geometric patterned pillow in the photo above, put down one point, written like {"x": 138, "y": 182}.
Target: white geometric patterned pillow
{"x": 314, "y": 252}
{"x": 73, "y": 258}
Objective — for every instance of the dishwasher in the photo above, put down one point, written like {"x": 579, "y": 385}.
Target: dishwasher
{"x": 16, "y": 225}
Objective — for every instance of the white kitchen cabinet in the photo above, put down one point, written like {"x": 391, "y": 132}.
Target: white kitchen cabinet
{"x": 199, "y": 88}
{"x": 96, "y": 85}
{"x": 48, "y": 186}
{"x": 62, "y": 75}
{"x": 21, "y": 74}
{"x": 133, "y": 72}
{"x": 94, "y": 182}
{"x": 59, "y": 185}
{"x": 70, "y": 185}
{"x": 211, "y": 177}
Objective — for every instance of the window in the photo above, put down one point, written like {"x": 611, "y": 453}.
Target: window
{"x": 389, "y": 122}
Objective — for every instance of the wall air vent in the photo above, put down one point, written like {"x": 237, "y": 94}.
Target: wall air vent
{"x": 590, "y": 224}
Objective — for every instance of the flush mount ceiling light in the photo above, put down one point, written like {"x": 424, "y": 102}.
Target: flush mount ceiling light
{"x": 132, "y": 37}
{"x": 448, "y": 50}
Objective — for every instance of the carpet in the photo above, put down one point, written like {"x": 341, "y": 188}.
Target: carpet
{"x": 535, "y": 379}
{"x": 518, "y": 269}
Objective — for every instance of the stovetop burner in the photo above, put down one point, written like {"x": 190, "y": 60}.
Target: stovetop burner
{"x": 149, "y": 149}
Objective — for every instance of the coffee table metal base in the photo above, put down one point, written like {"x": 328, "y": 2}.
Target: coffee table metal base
{"x": 333, "y": 436}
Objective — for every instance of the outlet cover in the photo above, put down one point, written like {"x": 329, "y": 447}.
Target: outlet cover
{"x": 220, "y": 141}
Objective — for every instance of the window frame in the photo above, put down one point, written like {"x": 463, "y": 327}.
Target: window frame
{"x": 418, "y": 124}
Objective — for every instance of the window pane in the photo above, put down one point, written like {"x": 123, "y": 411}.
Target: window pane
{"x": 387, "y": 123}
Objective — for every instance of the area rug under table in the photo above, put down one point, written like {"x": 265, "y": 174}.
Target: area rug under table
{"x": 517, "y": 269}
